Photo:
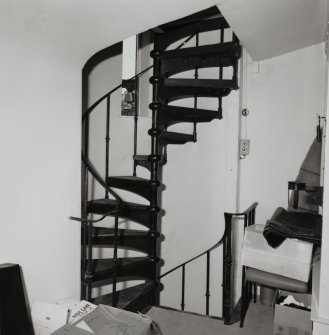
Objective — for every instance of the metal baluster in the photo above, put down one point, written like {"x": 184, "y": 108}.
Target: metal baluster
{"x": 220, "y": 108}
{"x": 135, "y": 126}
{"x": 245, "y": 223}
{"x": 196, "y": 76}
{"x": 227, "y": 265}
{"x": 89, "y": 273}
{"x": 208, "y": 283}
{"x": 115, "y": 260}
{"x": 235, "y": 65}
{"x": 107, "y": 141}
{"x": 183, "y": 288}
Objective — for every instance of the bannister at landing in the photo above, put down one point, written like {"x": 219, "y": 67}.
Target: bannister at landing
{"x": 229, "y": 311}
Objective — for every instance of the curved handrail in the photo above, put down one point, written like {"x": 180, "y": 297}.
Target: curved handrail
{"x": 219, "y": 243}
{"x": 108, "y": 94}
{"x": 85, "y": 160}
{"x": 248, "y": 210}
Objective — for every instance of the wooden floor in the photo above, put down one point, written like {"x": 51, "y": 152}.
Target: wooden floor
{"x": 259, "y": 321}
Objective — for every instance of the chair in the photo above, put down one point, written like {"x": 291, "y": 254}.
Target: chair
{"x": 252, "y": 277}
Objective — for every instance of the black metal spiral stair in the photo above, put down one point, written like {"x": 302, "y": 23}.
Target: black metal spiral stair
{"x": 97, "y": 272}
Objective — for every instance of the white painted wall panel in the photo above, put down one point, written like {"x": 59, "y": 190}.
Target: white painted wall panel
{"x": 269, "y": 28}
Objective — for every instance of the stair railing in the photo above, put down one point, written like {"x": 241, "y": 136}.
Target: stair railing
{"x": 249, "y": 218}
{"x": 87, "y": 225}
{"x": 230, "y": 312}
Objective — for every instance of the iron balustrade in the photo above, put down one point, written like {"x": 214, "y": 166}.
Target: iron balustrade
{"x": 229, "y": 311}
{"x": 87, "y": 224}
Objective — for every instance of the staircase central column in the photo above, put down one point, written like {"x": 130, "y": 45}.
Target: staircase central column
{"x": 154, "y": 158}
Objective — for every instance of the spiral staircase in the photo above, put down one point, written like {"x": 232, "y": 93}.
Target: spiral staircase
{"x": 166, "y": 90}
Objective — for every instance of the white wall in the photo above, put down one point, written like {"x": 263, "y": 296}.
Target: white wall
{"x": 283, "y": 98}
{"x": 44, "y": 47}
{"x": 284, "y": 95}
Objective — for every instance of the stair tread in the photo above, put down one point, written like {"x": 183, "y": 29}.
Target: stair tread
{"x": 218, "y": 49}
{"x": 110, "y": 202}
{"x": 136, "y": 267}
{"x": 126, "y": 297}
{"x": 129, "y": 210}
{"x": 137, "y": 185}
{"x": 196, "y": 17}
{"x": 129, "y": 239}
{"x": 170, "y": 115}
{"x": 101, "y": 231}
{"x": 168, "y": 137}
{"x": 131, "y": 178}
{"x": 186, "y": 30}
{"x": 141, "y": 157}
{"x": 198, "y": 83}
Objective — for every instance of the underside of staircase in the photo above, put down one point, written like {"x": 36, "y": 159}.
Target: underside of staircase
{"x": 168, "y": 61}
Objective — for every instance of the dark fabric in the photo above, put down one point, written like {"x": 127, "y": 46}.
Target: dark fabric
{"x": 301, "y": 225}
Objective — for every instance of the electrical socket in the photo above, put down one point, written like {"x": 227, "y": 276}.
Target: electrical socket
{"x": 244, "y": 147}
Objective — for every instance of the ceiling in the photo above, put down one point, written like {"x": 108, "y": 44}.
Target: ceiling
{"x": 269, "y": 28}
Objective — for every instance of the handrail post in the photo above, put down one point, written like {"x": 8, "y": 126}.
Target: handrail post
{"x": 208, "y": 283}
{"x": 220, "y": 109}
{"x": 196, "y": 76}
{"x": 136, "y": 124}
{"x": 107, "y": 141}
{"x": 236, "y": 63}
{"x": 227, "y": 264}
{"x": 89, "y": 272}
{"x": 115, "y": 261}
{"x": 183, "y": 288}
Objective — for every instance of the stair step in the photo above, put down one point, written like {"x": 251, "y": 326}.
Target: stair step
{"x": 127, "y": 269}
{"x": 173, "y": 89}
{"x": 213, "y": 55}
{"x": 129, "y": 210}
{"x": 170, "y": 115}
{"x": 134, "y": 298}
{"x": 196, "y": 17}
{"x": 229, "y": 49}
{"x": 127, "y": 238}
{"x": 198, "y": 83}
{"x": 164, "y": 40}
{"x": 143, "y": 160}
{"x": 136, "y": 185}
{"x": 168, "y": 137}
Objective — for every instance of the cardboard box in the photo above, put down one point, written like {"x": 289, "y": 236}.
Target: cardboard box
{"x": 291, "y": 259}
{"x": 106, "y": 320}
{"x": 289, "y": 320}
{"x": 48, "y": 317}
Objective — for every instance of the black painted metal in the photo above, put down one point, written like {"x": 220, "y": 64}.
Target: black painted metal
{"x": 115, "y": 261}
{"x": 170, "y": 37}
{"x": 140, "y": 186}
{"x": 97, "y": 272}
{"x": 208, "y": 283}
{"x": 183, "y": 288}
{"x": 170, "y": 115}
{"x": 136, "y": 118}
{"x": 14, "y": 312}
{"x": 168, "y": 137}
{"x": 229, "y": 310}
{"x": 196, "y": 76}
{"x": 107, "y": 141}
{"x": 132, "y": 211}
{"x": 155, "y": 157}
